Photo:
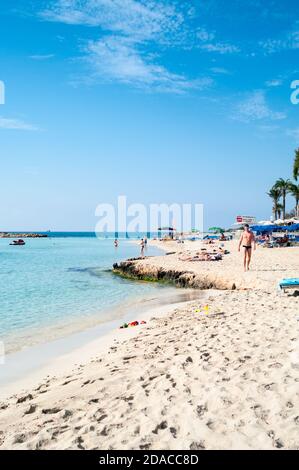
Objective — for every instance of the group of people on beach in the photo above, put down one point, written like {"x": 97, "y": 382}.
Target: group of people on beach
{"x": 143, "y": 244}
{"x": 247, "y": 242}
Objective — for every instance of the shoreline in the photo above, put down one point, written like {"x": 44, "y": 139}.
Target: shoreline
{"x": 28, "y": 336}
{"x": 194, "y": 377}
{"x": 181, "y": 278}
{"x": 54, "y": 356}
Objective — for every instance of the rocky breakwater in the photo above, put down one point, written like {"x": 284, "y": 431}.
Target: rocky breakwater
{"x": 22, "y": 235}
{"x": 142, "y": 269}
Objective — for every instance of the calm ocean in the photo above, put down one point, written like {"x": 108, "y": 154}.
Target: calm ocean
{"x": 58, "y": 285}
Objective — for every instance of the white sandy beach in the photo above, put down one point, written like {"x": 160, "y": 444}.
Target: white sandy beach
{"x": 269, "y": 266}
{"x": 228, "y": 379}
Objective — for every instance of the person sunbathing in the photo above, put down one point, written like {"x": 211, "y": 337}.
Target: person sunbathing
{"x": 218, "y": 251}
{"x": 209, "y": 242}
{"x": 216, "y": 257}
{"x": 201, "y": 257}
{"x": 194, "y": 257}
{"x": 283, "y": 240}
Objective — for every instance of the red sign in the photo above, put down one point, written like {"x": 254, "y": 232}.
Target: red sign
{"x": 245, "y": 219}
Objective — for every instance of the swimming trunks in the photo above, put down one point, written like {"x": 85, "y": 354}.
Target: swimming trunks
{"x": 247, "y": 247}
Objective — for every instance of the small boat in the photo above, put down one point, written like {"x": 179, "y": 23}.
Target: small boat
{"x": 19, "y": 242}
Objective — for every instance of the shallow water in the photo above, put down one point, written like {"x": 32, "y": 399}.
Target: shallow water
{"x": 22, "y": 364}
{"x": 54, "y": 286}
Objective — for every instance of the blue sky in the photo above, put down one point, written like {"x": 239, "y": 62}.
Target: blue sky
{"x": 162, "y": 101}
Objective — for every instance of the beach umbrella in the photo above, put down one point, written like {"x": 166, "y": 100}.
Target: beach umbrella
{"x": 265, "y": 222}
{"x": 216, "y": 230}
{"x": 292, "y": 228}
{"x": 291, "y": 221}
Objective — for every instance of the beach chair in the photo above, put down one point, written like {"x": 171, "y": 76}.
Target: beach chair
{"x": 286, "y": 284}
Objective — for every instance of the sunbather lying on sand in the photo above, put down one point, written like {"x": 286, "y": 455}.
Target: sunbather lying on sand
{"x": 201, "y": 257}
{"x": 209, "y": 242}
{"x": 219, "y": 251}
{"x": 215, "y": 251}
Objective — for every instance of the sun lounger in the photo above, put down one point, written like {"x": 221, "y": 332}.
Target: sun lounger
{"x": 286, "y": 284}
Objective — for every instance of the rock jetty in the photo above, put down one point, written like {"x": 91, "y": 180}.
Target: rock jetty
{"x": 22, "y": 235}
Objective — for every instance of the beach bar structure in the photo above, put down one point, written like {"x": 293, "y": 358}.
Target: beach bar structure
{"x": 166, "y": 230}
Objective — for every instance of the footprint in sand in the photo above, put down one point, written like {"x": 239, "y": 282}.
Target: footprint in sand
{"x": 32, "y": 409}
{"x": 201, "y": 410}
{"x": 25, "y": 398}
{"x": 163, "y": 425}
{"x": 197, "y": 446}
{"x": 50, "y": 411}
{"x": 20, "y": 439}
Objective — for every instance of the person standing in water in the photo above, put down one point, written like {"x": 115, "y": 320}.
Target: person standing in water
{"x": 247, "y": 241}
{"x": 142, "y": 245}
{"x": 116, "y": 243}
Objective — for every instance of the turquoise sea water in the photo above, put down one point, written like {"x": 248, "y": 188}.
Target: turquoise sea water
{"x": 56, "y": 285}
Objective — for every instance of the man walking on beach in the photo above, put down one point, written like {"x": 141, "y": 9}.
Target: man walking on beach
{"x": 247, "y": 240}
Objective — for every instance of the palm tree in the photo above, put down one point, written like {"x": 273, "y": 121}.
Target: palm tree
{"x": 294, "y": 190}
{"x": 275, "y": 195}
{"x": 296, "y": 164}
{"x": 284, "y": 187}
{"x": 279, "y": 210}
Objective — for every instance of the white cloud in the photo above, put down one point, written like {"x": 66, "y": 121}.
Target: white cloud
{"x": 115, "y": 58}
{"x": 274, "y": 83}
{"x": 254, "y": 108}
{"x": 208, "y": 43}
{"x": 294, "y": 38}
{"x": 16, "y": 124}
{"x": 288, "y": 41}
{"x": 41, "y": 57}
{"x": 221, "y": 48}
{"x": 271, "y": 46}
{"x": 128, "y": 29}
{"x": 204, "y": 35}
{"x": 143, "y": 19}
{"x": 220, "y": 71}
